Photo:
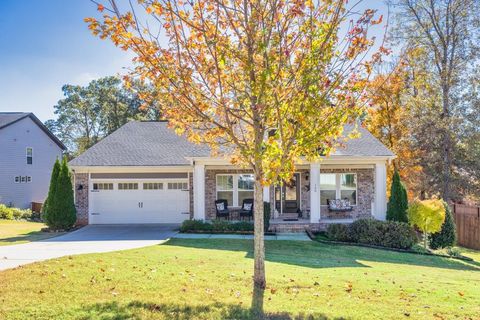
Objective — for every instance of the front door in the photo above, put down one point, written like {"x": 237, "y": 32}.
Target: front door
{"x": 287, "y": 196}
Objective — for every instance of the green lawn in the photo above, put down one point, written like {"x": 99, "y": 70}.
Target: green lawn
{"x": 211, "y": 279}
{"x": 15, "y": 232}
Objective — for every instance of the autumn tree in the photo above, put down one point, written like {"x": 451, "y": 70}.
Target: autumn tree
{"x": 264, "y": 82}
{"x": 446, "y": 32}
{"x": 389, "y": 118}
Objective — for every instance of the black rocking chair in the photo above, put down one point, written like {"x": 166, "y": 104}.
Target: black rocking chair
{"x": 221, "y": 206}
{"x": 247, "y": 209}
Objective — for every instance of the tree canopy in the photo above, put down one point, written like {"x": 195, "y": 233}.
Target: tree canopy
{"x": 272, "y": 81}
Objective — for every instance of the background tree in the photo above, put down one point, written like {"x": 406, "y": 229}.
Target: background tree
{"x": 444, "y": 34}
{"x": 271, "y": 80}
{"x": 398, "y": 202}
{"x": 89, "y": 113}
{"x": 428, "y": 216}
{"x": 51, "y": 191}
{"x": 447, "y": 237}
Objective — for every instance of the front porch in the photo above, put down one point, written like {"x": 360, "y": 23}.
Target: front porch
{"x": 300, "y": 202}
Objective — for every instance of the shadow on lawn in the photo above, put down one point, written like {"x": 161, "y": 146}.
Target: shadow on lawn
{"x": 146, "y": 310}
{"x": 30, "y": 236}
{"x": 319, "y": 255}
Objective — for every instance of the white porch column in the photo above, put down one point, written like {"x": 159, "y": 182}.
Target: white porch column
{"x": 314, "y": 192}
{"x": 266, "y": 194}
{"x": 199, "y": 192}
{"x": 380, "y": 191}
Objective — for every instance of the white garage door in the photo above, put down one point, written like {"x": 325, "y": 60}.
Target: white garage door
{"x": 139, "y": 201}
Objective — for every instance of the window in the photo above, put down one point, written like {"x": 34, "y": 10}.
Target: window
{"x": 103, "y": 186}
{"x": 177, "y": 186}
{"x": 245, "y": 187}
{"x": 23, "y": 179}
{"x": 128, "y": 186}
{"x": 153, "y": 186}
{"x": 225, "y": 188}
{"x": 29, "y": 155}
{"x": 328, "y": 187}
{"x": 338, "y": 186}
{"x": 348, "y": 187}
{"x": 235, "y": 188}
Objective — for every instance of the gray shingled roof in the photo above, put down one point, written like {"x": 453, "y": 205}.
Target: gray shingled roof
{"x": 366, "y": 145}
{"x": 141, "y": 144}
{"x": 153, "y": 144}
{"x": 9, "y": 118}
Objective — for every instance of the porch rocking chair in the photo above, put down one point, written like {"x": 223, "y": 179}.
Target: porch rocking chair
{"x": 221, "y": 206}
{"x": 247, "y": 209}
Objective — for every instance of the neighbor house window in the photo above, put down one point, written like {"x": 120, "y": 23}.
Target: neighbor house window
{"x": 103, "y": 186}
{"x": 338, "y": 186}
{"x": 153, "y": 186}
{"x": 29, "y": 155}
{"x": 128, "y": 186}
{"x": 17, "y": 179}
{"x": 235, "y": 188}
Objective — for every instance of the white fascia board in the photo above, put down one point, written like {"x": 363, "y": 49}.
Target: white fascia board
{"x": 130, "y": 169}
{"x": 330, "y": 160}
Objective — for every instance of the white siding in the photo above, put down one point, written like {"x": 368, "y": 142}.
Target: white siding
{"x": 14, "y": 139}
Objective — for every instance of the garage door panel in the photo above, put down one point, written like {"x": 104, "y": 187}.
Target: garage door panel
{"x": 140, "y": 205}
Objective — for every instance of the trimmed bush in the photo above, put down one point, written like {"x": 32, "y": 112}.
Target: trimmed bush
{"x": 61, "y": 212}
{"x": 338, "y": 232}
{"x": 390, "y": 234}
{"x": 6, "y": 212}
{"x": 398, "y": 203}
{"x": 447, "y": 237}
{"x": 215, "y": 226}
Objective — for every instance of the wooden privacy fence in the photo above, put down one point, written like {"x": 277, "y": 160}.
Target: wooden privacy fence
{"x": 467, "y": 219}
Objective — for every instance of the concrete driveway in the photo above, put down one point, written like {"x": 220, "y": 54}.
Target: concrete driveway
{"x": 89, "y": 239}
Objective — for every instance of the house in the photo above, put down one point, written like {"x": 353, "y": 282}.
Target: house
{"x": 27, "y": 153}
{"x": 145, "y": 173}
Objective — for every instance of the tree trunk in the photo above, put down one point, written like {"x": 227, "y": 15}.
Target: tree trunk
{"x": 258, "y": 241}
{"x": 445, "y": 116}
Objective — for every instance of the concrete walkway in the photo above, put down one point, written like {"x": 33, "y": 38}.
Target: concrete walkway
{"x": 281, "y": 236}
{"x": 89, "y": 239}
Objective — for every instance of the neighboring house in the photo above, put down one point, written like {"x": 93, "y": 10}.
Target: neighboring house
{"x": 27, "y": 153}
{"x": 145, "y": 173}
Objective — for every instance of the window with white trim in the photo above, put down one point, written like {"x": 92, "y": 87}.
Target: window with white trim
{"x": 29, "y": 152}
{"x": 103, "y": 186}
{"x": 338, "y": 186}
{"x": 22, "y": 179}
{"x": 235, "y": 188}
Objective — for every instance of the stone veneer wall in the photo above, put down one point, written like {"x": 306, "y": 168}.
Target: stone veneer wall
{"x": 211, "y": 188}
{"x": 81, "y": 198}
{"x": 365, "y": 195}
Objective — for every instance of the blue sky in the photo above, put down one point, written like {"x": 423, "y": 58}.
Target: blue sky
{"x": 45, "y": 44}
